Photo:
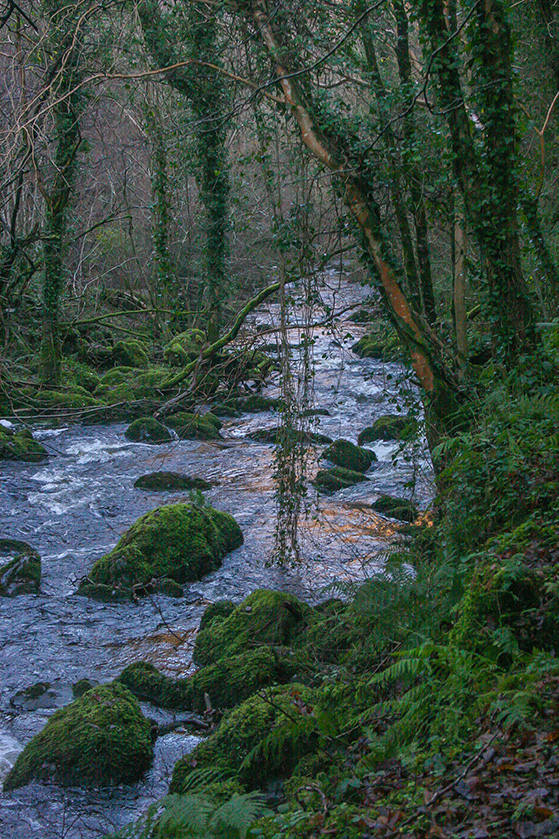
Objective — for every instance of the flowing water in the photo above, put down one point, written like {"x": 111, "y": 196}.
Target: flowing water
{"x": 73, "y": 507}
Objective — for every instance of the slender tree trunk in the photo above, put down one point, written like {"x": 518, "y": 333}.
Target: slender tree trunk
{"x": 459, "y": 271}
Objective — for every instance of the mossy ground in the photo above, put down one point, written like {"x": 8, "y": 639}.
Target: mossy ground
{"x": 101, "y": 738}
{"x": 180, "y": 542}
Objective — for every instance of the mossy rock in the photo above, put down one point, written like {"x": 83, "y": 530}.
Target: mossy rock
{"x": 125, "y": 384}
{"x": 147, "y": 430}
{"x": 331, "y": 480}
{"x": 262, "y": 739}
{"x": 184, "y": 347}
{"x": 381, "y": 343}
{"x": 80, "y": 375}
{"x": 180, "y": 542}
{"x": 362, "y": 316}
{"x": 396, "y": 508}
{"x": 21, "y": 574}
{"x": 226, "y": 683}
{"x": 256, "y": 403}
{"x": 20, "y": 445}
{"x": 82, "y": 686}
{"x": 389, "y": 427}
{"x": 195, "y": 426}
{"x": 130, "y": 353}
{"x": 227, "y": 408}
{"x": 264, "y": 617}
{"x": 273, "y": 435}
{"x": 149, "y": 685}
{"x": 349, "y": 456}
{"x": 102, "y": 738}
{"x": 219, "y": 609}
{"x": 170, "y": 482}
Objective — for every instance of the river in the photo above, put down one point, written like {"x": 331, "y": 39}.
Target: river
{"x": 73, "y": 507}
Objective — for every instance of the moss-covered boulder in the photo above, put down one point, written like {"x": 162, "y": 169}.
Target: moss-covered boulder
{"x": 219, "y": 609}
{"x": 346, "y": 454}
{"x": 195, "y": 426}
{"x": 381, "y": 343}
{"x": 170, "y": 482}
{"x": 75, "y": 399}
{"x": 130, "y": 353}
{"x": 389, "y": 427}
{"x": 264, "y": 617}
{"x": 331, "y": 480}
{"x": 226, "y": 683}
{"x": 101, "y": 738}
{"x": 273, "y": 435}
{"x": 178, "y": 542}
{"x": 396, "y": 508}
{"x": 125, "y": 384}
{"x": 20, "y": 568}
{"x": 261, "y": 739}
{"x": 255, "y": 403}
{"x": 148, "y": 430}
{"x": 184, "y": 347}
{"x": 20, "y": 445}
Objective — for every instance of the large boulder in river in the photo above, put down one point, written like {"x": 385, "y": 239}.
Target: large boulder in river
{"x": 396, "y": 508}
{"x": 195, "y": 426}
{"x": 170, "y": 482}
{"x": 331, "y": 480}
{"x": 20, "y": 445}
{"x": 177, "y": 543}
{"x": 102, "y": 738}
{"x": 388, "y": 427}
{"x": 20, "y": 568}
{"x": 346, "y": 454}
{"x": 148, "y": 430}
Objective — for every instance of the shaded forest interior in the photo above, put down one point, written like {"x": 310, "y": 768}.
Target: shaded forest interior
{"x": 167, "y": 168}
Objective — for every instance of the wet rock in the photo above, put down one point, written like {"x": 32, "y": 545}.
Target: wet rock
{"x": 82, "y": 686}
{"x": 349, "y": 456}
{"x": 21, "y": 573}
{"x": 195, "y": 426}
{"x": 126, "y": 384}
{"x": 130, "y": 353}
{"x": 256, "y": 402}
{"x": 381, "y": 343}
{"x": 42, "y": 695}
{"x": 315, "y": 412}
{"x": 20, "y": 445}
{"x": 243, "y": 745}
{"x": 331, "y": 480}
{"x": 396, "y": 508}
{"x": 148, "y": 430}
{"x": 170, "y": 481}
{"x": 102, "y": 738}
{"x": 389, "y": 427}
{"x": 219, "y": 609}
{"x": 264, "y": 617}
{"x": 75, "y": 399}
{"x": 178, "y": 542}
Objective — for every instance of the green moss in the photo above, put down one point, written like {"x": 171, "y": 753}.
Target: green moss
{"x": 130, "y": 353}
{"x": 182, "y": 542}
{"x": 396, "y": 508}
{"x": 346, "y": 454}
{"x": 148, "y": 684}
{"x": 147, "y": 430}
{"x": 21, "y": 574}
{"x": 226, "y": 683}
{"x": 261, "y": 739}
{"x": 101, "y": 738}
{"x": 331, "y": 480}
{"x": 81, "y": 375}
{"x": 381, "y": 343}
{"x": 219, "y": 609}
{"x": 389, "y": 427}
{"x": 75, "y": 399}
{"x": 20, "y": 445}
{"x": 124, "y": 384}
{"x": 170, "y": 481}
{"x": 82, "y": 686}
{"x": 272, "y": 435}
{"x": 256, "y": 403}
{"x": 195, "y": 426}
{"x": 184, "y": 348}
{"x": 264, "y": 617}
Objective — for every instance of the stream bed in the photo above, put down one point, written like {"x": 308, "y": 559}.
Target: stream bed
{"x": 73, "y": 508}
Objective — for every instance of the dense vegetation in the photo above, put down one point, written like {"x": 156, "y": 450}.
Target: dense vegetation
{"x": 164, "y": 172}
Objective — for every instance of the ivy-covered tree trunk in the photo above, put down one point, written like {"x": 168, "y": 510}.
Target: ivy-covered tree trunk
{"x": 487, "y": 178}
{"x": 204, "y": 89}
{"x": 67, "y": 109}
